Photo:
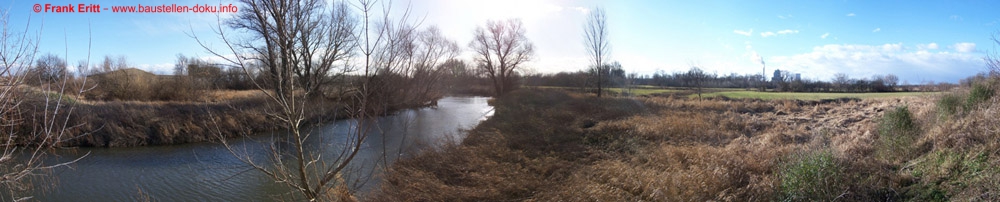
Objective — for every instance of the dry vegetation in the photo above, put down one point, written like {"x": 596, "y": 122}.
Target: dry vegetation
{"x": 119, "y": 123}
{"x": 550, "y": 145}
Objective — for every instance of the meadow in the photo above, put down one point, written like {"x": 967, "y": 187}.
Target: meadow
{"x": 549, "y": 144}
{"x": 738, "y": 94}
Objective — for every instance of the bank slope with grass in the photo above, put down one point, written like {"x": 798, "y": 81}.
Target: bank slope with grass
{"x": 138, "y": 123}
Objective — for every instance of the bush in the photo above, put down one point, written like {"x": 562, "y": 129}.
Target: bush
{"x": 897, "y": 133}
{"x": 950, "y": 104}
{"x": 813, "y": 176}
{"x": 979, "y": 94}
{"x": 176, "y": 89}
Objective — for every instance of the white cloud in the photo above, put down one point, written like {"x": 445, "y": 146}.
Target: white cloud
{"x": 877, "y": 30}
{"x": 930, "y": 46}
{"x": 850, "y": 15}
{"x": 824, "y": 35}
{"x": 162, "y": 69}
{"x": 582, "y": 9}
{"x": 785, "y": 16}
{"x": 864, "y": 61}
{"x": 788, "y": 31}
{"x": 965, "y": 47}
{"x": 956, "y": 18}
{"x": 781, "y": 32}
{"x": 744, "y": 33}
{"x": 756, "y": 58}
{"x": 892, "y": 47}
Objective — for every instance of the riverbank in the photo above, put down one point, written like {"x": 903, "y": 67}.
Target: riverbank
{"x": 209, "y": 171}
{"x": 551, "y": 145}
{"x": 142, "y": 123}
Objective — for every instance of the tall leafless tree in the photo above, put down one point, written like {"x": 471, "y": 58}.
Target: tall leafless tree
{"x": 501, "y": 48}
{"x": 293, "y": 40}
{"x": 432, "y": 49}
{"x": 595, "y": 34}
{"x": 299, "y": 42}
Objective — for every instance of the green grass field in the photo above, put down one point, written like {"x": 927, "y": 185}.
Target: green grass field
{"x": 738, "y": 93}
{"x": 809, "y": 96}
{"x": 639, "y": 90}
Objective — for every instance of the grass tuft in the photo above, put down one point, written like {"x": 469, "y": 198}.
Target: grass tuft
{"x": 813, "y": 176}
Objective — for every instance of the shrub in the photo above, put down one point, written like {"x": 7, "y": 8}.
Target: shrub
{"x": 950, "y": 104}
{"x": 897, "y": 133}
{"x": 979, "y": 94}
{"x": 177, "y": 88}
{"x": 813, "y": 176}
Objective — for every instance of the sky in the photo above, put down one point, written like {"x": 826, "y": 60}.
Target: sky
{"x": 919, "y": 41}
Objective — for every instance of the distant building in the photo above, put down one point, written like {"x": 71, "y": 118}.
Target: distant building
{"x": 777, "y": 76}
{"x": 798, "y": 76}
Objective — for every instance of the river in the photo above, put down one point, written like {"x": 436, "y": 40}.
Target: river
{"x": 210, "y": 172}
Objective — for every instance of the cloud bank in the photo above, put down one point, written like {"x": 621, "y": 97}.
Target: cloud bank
{"x": 914, "y": 64}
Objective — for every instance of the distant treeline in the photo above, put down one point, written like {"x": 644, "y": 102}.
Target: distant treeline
{"x": 781, "y": 81}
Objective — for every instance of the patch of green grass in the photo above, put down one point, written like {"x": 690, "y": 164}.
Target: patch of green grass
{"x": 812, "y": 176}
{"x": 65, "y": 98}
{"x": 808, "y": 96}
{"x": 637, "y": 90}
{"x": 945, "y": 173}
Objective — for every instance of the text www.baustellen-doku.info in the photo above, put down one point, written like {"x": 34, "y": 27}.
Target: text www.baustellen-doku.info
{"x": 137, "y": 8}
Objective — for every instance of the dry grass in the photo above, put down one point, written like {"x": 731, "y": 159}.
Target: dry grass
{"x": 137, "y": 123}
{"x": 226, "y": 95}
{"x": 550, "y": 145}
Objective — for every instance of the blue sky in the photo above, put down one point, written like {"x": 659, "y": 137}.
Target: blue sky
{"x": 917, "y": 40}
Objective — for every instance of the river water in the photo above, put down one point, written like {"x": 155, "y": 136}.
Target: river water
{"x": 210, "y": 172}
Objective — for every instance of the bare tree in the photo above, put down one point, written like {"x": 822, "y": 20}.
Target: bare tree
{"x": 107, "y": 64}
{"x": 180, "y": 67}
{"x": 993, "y": 58}
{"x": 891, "y": 82}
{"x": 595, "y": 34}
{"x": 49, "y": 68}
{"x": 696, "y": 79}
{"x": 841, "y": 81}
{"x": 432, "y": 49}
{"x": 300, "y": 40}
{"x": 24, "y": 139}
{"x": 501, "y": 48}
{"x": 291, "y": 41}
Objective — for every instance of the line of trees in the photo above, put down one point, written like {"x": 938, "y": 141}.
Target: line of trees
{"x": 696, "y": 78}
